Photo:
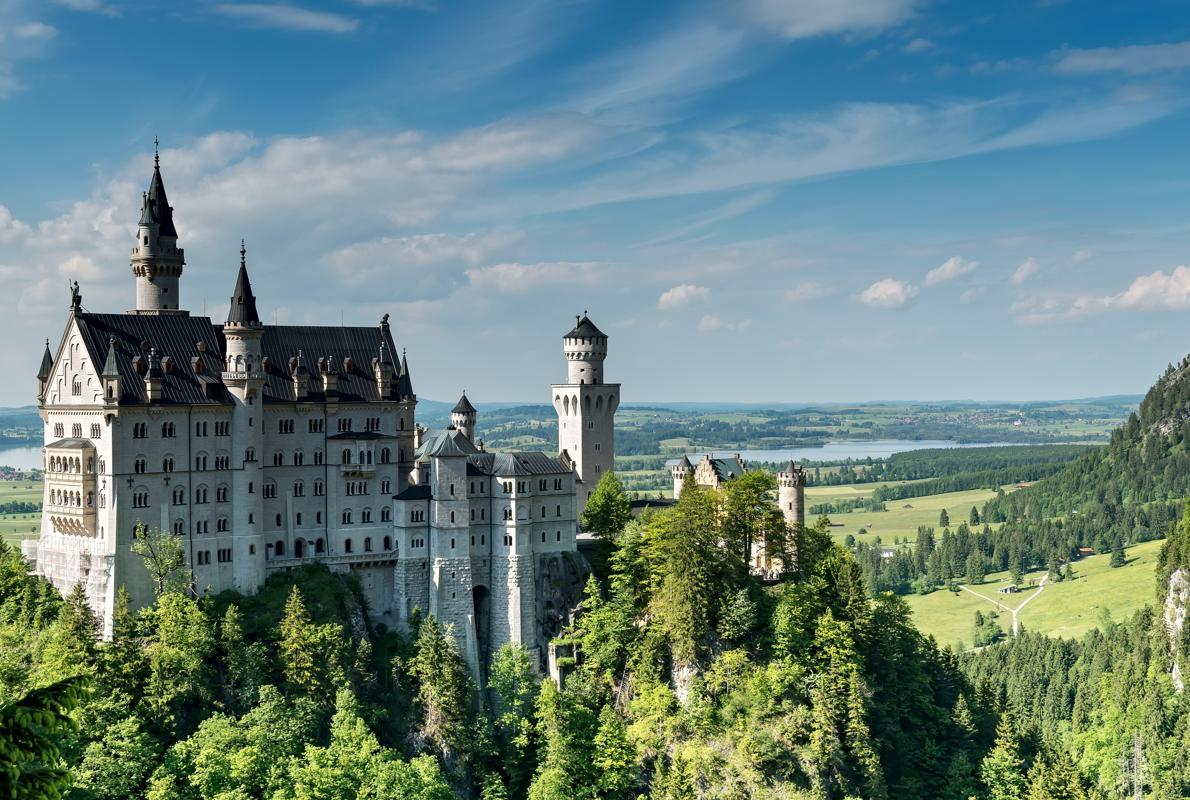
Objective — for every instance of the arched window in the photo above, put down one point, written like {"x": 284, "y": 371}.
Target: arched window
{"x": 367, "y": 544}
{"x": 279, "y": 548}
{"x": 362, "y": 458}
{"x": 388, "y": 543}
{"x": 365, "y": 515}
{"x": 346, "y": 456}
{"x": 385, "y": 455}
{"x": 319, "y": 545}
{"x": 346, "y": 545}
{"x": 347, "y": 516}
{"x": 386, "y": 515}
{"x": 299, "y": 546}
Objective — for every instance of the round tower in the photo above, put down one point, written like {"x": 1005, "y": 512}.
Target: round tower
{"x": 156, "y": 260}
{"x": 585, "y": 348}
{"x": 243, "y": 375}
{"x": 462, "y": 417}
{"x": 679, "y": 471}
{"x": 791, "y": 493}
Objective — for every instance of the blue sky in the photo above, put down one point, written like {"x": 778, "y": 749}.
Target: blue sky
{"x": 759, "y": 201}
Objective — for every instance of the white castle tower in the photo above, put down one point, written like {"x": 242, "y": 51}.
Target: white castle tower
{"x": 157, "y": 261}
{"x": 462, "y": 418}
{"x": 791, "y": 493}
{"x": 243, "y": 376}
{"x": 586, "y": 408}
{"x": 679, "y": 472}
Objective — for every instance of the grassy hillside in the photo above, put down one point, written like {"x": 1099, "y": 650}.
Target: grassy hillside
{"x": 14, "y": 527}
{"x": 1068, "y": 608}
{"x": 902, "y": 518}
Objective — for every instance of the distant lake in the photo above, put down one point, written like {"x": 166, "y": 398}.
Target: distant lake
{"x": 21, "y": 457}
{"x": 856, "y": 450}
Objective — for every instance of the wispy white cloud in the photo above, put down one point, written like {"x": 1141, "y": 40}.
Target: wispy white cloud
{"x": 683, "y": 295}
{"x": 918, "y": 45}
{"x": 888, "y": 293}
{"x": 804, "y": 291}
{"x": 713, "y": 324}
{"x": 1137, "y": 59}
{"x": 803, "y": 19}
{"x": 1026, "y": 270}
{"x": 854, "y": 136}
{"x": 950, "y": 269}
{"x": 516, "y": 278}
{"x": 287, "y": 17}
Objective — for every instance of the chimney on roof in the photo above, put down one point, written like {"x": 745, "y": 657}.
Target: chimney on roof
{"x": 153, "y": 378}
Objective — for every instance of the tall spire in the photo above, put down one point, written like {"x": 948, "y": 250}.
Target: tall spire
{"x": 404, "y": 383}
{"x": 110, "y": 370}
{"x": 243, "y": 302}
{"x": 157, "y": 261}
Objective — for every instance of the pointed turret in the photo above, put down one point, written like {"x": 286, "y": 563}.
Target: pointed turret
{"x": 404, "y": 383}
{"x": 47, "y": 368}
{"x": 243, "y": 302}
{"x": 462, "y": 417}
{"x": 110, "y": 378}
{"x": 157, "y": 261}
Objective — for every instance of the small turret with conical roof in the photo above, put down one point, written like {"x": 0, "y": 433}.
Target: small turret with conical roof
{"x": 679, "y": 472}
{"x": 111, "y": 374}
{"x": 462, "y": 417}
{"x": 157, "y": 261}
{"x": 404, "y": 381}
{"x": 47, "y": 369}
{"x": 243, "y": 303}
{"x": 243, "y": 329}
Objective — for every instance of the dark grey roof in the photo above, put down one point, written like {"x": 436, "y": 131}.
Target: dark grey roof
{"x": 47, "y": 363}
{"x": 176, "y": 336}
{"x": 418, "y": 491}
{"x": 352, "y": 350}
{"x": 70, "y": 444}
{"x": 156, "y": 210}
{"x": 360, "y": 435}
{"x": 445, "y": 444}
{"x": 584, "y": 328}
{"x": 243, "y": 302}
{"x": 791, "y": 467}
{"x": 727, "y": 468}
{"x": 514, "y": 464}
{"x": 463, "y": 406}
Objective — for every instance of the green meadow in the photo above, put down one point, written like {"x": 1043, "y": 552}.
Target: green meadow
{"x": 1067, "y": 608}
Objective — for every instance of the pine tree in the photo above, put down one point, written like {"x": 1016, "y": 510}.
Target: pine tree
{"x": 1118, "y": 555}
{"x": 444, "y": 688}
{"x": 615, "y": 757}
{"x": 1001, "y": 767}
{"x": 297, "y": 648}
{"x": 974, "y": 518}
{"x": 944, "y": 519}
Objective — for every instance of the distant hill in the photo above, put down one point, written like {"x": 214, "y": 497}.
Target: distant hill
{"x": 1130, "y": 491}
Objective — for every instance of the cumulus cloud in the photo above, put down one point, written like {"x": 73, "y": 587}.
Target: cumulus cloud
{"x": 888, "y": 293}
{"x": 950, "y": 269}
{"x": 1137, "y": 59}
{"x": 286, "y": 17}
{"x": 683, "y": 295}
{"x": 1156, "y": 291}
{"x": 1026, "y": 270}
{"x": 802, "y": 19}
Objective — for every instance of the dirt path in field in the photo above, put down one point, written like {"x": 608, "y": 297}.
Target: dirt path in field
{"x": 1016, "y": 625}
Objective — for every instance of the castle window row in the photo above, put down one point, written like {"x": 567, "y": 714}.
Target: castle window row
{"x": 357, "y": 487}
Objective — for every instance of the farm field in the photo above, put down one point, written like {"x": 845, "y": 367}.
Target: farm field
{"x": 1067, "y": 609}
{"x": 14, "y": 527}
{"x": 902, "y": 517}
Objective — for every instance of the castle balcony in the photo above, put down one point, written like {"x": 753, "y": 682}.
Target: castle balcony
{"x": 242, "y": 376}
{"x": 71, "y": 497}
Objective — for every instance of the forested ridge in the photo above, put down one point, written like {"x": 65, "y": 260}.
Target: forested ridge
{"x": 685, "y": 677}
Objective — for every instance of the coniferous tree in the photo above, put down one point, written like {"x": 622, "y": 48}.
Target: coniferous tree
{"x": 944, "y": 519}
{"x": 297, "y": 648}
{"x": 444, "y": 690}
{"x": 1118, "y": 555}
{"x": 1001, "y": 768}
{"x": 974, "y": 517}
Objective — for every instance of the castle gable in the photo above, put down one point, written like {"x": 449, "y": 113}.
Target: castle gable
{"x": 74, "y": 368}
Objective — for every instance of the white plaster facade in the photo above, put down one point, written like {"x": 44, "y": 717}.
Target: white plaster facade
{"x": 267, "y": 447}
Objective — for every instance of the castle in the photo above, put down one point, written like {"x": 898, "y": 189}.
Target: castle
{"x": 266, "y": 447}
{"x": 712, "y": 473}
